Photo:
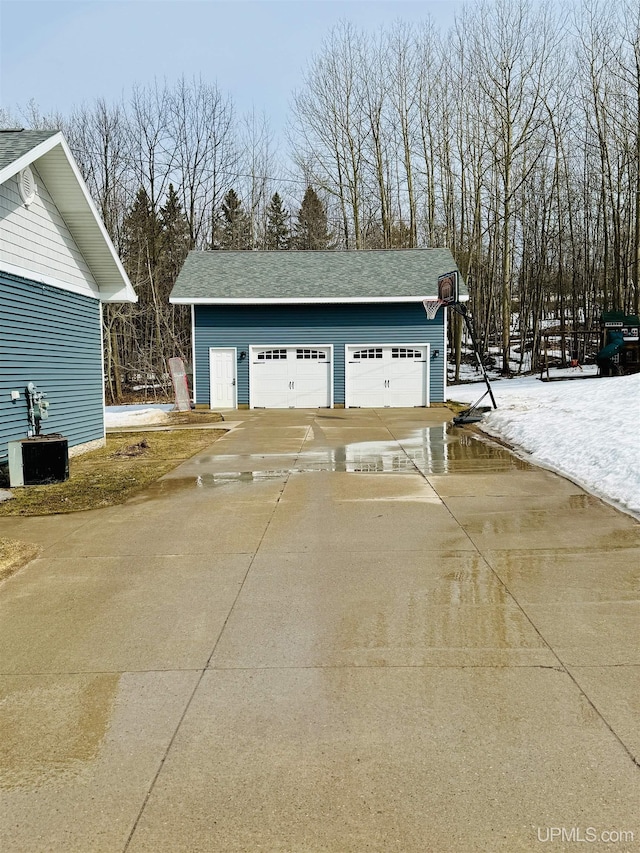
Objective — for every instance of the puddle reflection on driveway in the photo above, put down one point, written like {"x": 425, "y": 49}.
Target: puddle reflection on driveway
{"x": 439, "y": 449}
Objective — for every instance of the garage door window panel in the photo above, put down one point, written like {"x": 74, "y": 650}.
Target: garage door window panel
{"x": 313, "y": 354}
{"x": 403, "y": 352}
{"x": 272, "y": 355}
{"x": 362, "y": 354}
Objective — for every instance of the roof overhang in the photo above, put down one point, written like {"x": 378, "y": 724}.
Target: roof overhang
{"x": 59, "y": 171}
{"x": 326, "y": 300}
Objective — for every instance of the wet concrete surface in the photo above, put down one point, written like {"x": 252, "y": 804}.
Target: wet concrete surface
{"x": 331, "y": 631}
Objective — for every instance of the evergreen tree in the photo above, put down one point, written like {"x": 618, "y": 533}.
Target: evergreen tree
{"x": 174, "y": 241}
{"x": 141, "y": 231}
{"x": 311, "y": 230}
{"x": 278, "y": 235}
{"x": 155, "y": 247}
{"x": 234, "y": 230}
{"x": 142, "y": 238}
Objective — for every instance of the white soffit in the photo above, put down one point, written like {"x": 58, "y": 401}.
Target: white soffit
{"x": 57, "y": 168}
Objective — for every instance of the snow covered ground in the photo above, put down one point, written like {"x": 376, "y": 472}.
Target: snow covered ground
{"x": 120, "y": 416}
{"x": 587, "y": 430}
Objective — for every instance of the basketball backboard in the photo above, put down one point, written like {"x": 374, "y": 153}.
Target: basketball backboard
{"x": 448, "y": 288}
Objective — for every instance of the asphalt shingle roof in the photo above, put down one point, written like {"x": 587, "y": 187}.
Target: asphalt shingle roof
{"x": 15, "y": 143}
{"x": 392, "y": 274}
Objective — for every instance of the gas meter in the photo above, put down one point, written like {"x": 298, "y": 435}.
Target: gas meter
{"x": 37, "y": 408}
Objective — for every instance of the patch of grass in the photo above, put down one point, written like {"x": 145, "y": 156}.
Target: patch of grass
{"x": 14, "y": 555}
{"x": 195, "y": 417}
{"x": 457, "y": 407}
{"x": 112, "y": 474}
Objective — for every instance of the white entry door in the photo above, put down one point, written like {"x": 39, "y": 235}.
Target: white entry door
{"x": 290, "y": 377}
{"x": 222, "y": 367}
{"x": 387, "y": 375}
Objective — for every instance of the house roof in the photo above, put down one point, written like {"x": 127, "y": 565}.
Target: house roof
{"x": 49, "y": 152}
{"x": 390, "y": 275}
{"x": 14, "y": 144}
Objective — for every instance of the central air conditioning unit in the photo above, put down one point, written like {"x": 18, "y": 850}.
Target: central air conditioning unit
{"x": 39, "y": 460}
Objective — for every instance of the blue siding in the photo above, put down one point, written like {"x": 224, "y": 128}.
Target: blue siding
{"x": 241, "y": 326}
{"x": 51, "y": 337}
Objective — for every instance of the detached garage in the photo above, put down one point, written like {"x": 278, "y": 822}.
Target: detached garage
{"x": 313, "y": 329}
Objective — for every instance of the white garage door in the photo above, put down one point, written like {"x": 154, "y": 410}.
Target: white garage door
{"x": 290, "y": 377}
{"x": 387, "y": 375}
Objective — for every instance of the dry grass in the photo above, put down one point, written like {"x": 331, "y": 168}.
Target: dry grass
{"x": 14, "y": 555}
{"x": 457, "y": 407}
{"x": 194, "y": 417}
{"x": 112, "y": 474}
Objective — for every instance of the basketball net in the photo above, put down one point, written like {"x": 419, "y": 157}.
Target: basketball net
{"x": 431, "y": 307}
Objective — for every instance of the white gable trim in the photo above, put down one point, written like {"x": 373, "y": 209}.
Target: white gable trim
{"x": 30, "y": 157}
{"x": 65, "y": 184}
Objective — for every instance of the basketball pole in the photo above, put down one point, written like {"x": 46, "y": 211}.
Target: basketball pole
{"x": 461, "y": 309}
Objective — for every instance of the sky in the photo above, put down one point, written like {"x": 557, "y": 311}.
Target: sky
{"x": 63, "y": 54}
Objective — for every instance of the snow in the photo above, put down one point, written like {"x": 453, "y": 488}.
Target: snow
{"x": 121, "y": 416}
{"x": 586, "y": 430}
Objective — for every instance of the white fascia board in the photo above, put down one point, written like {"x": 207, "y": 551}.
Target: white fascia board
{"x": 125, "y": 293}
{"x": 30, "y": 156}
{"x": 49, "y": 280}
{"x": 328, "y": 300}
{"x": 117, "y": 296}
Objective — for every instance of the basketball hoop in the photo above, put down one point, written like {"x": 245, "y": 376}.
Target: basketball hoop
{"x": 431, "y": 307}
{"x": 448, "y": 288}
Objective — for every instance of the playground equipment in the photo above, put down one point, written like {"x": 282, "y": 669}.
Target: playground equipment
{"x": 620, "y": 344}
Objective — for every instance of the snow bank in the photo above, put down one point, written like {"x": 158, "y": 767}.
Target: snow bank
{"x": 587, "y": 430}
{"x": 121, "y": 416}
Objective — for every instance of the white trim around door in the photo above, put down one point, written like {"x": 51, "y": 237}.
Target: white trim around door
{"x": 389, "y": 375}
{"x": 223, "y": 378}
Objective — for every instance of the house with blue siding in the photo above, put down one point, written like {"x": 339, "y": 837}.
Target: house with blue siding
{"x": 57, "y": 268}
{"x": 309, "y": 329}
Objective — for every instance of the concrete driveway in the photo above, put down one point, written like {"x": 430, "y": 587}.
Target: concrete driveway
{"x": 333, "y": 631}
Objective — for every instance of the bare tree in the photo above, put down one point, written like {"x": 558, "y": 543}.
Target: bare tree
{"x": 205, "y": 160}
{"x": 375, "y": 88}
{"x": 100, "y": 143}
{"x": 510, "y": 43}
{"x": 331, "y": 127}
{"x": 403, "y": 63}
{"x": 152, "y": 148}
{"x": 258, "y": 168}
